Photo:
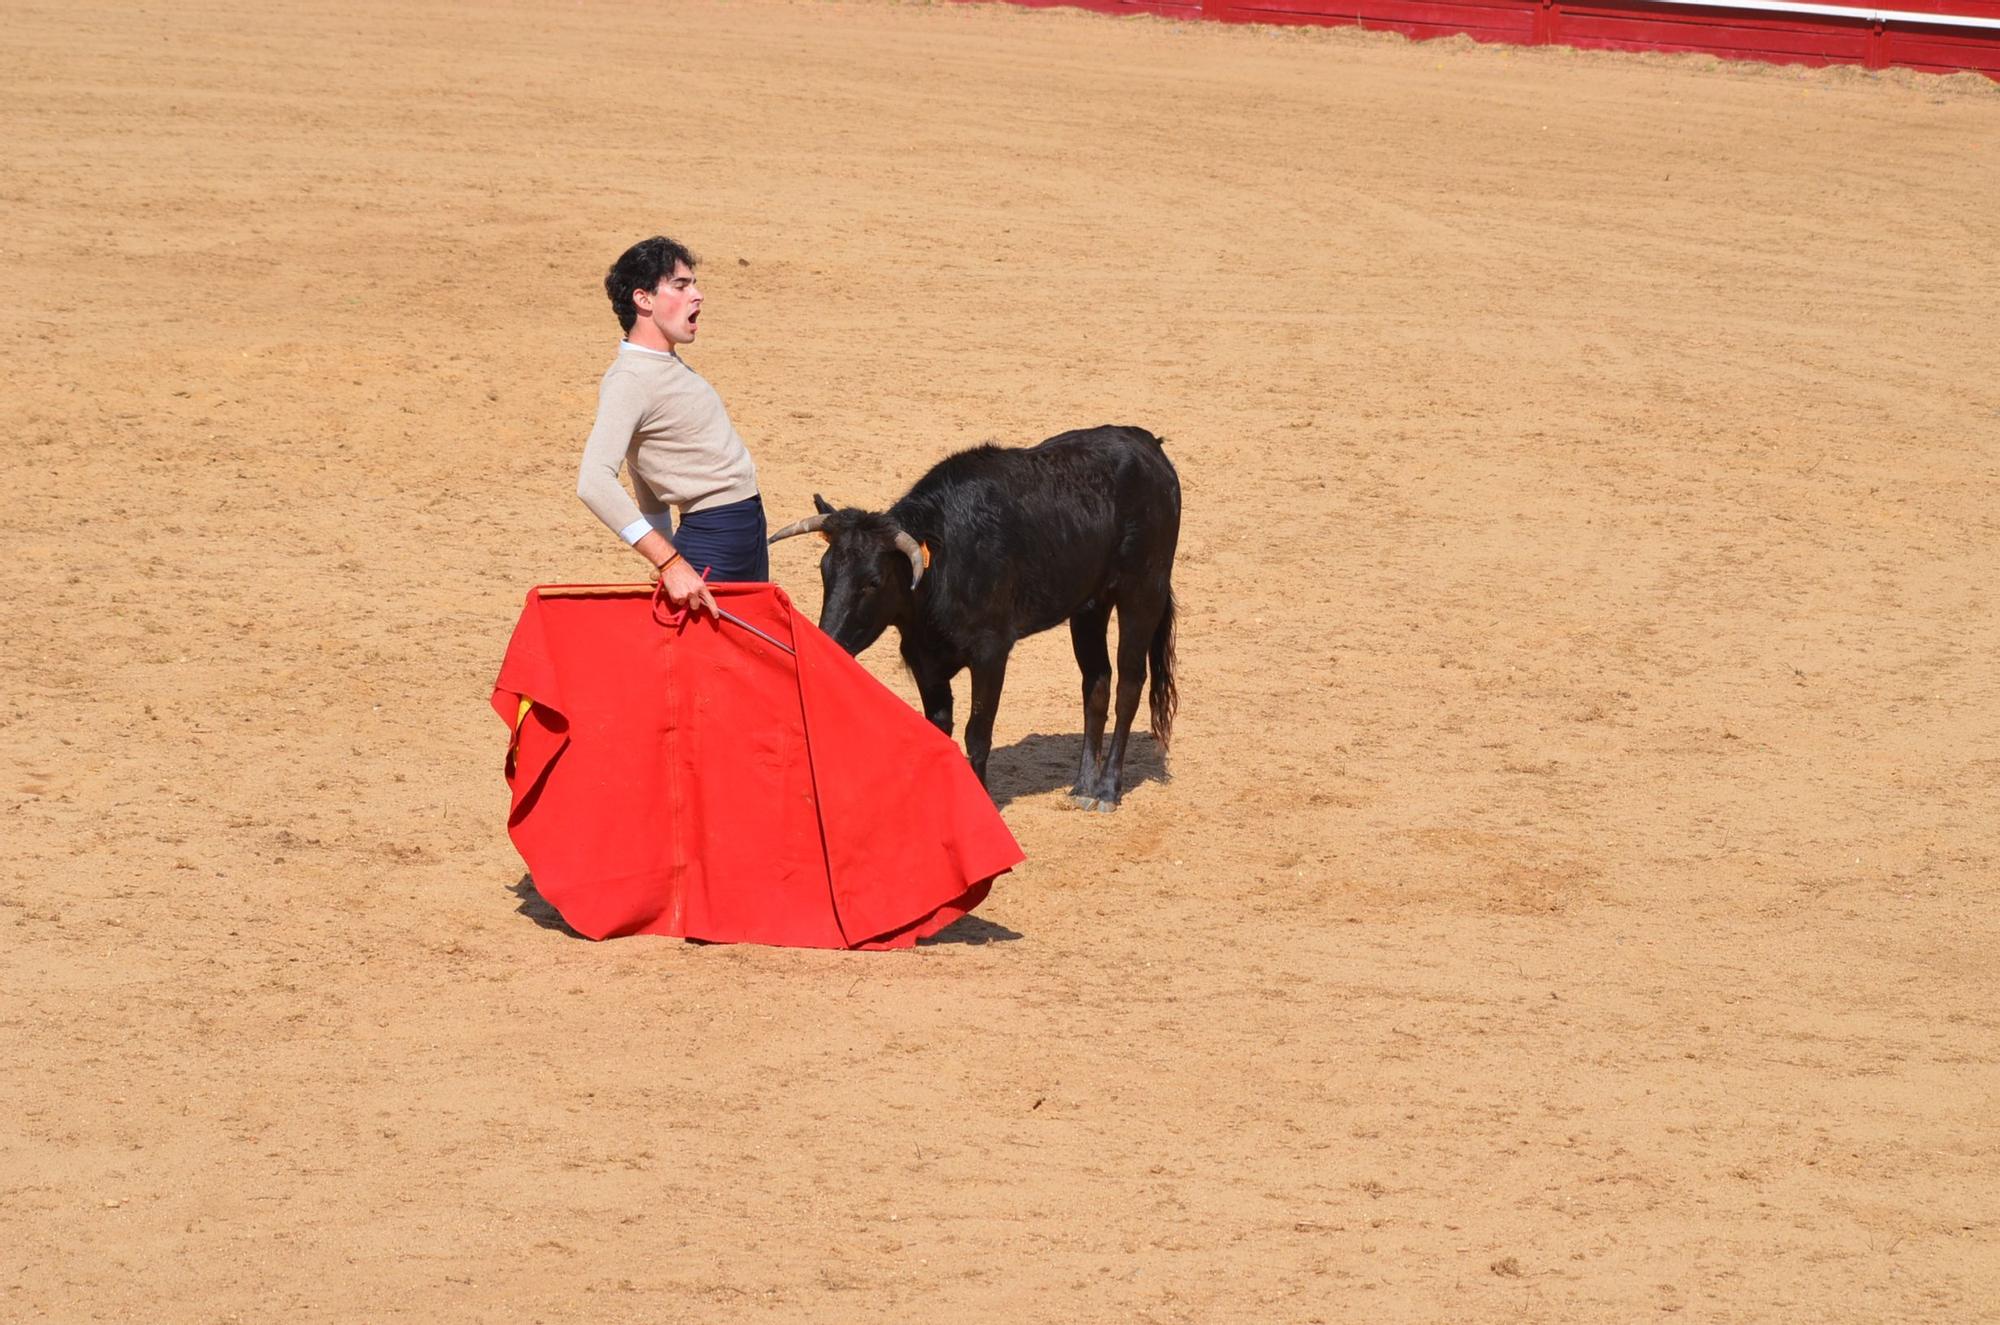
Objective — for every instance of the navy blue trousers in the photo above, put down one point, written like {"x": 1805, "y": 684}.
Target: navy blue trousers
{"x": 726, "y": 542}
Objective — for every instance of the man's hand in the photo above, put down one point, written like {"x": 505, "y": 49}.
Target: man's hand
{"x": 685, "y": 588}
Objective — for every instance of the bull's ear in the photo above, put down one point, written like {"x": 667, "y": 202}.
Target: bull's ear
{"x": 819, "y": 504}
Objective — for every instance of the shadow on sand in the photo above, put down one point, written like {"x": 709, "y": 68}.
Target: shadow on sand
{"x": 1042, "y": 761}
{"x": 536, "y": 908}
{"x": 972, "y": 931}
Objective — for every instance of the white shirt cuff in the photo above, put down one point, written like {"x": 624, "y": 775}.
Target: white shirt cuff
{"x": 660, "y": 520}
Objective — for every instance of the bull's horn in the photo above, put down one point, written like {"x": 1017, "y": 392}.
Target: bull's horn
{"x": 908, "y": 547}
{"x": 810, "y": 525}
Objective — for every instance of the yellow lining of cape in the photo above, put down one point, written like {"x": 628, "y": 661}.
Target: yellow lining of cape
{"x": 520, "y": 716}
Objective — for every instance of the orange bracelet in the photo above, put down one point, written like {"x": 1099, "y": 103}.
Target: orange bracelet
{"x": 661, "y": 569}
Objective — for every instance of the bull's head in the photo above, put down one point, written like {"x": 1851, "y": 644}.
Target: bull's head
{"x": 869, "y": 573}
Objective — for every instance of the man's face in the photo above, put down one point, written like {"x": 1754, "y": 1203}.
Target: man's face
{"x": 673, "y": 306}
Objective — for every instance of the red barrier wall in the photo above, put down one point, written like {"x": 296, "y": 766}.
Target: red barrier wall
{"x": 1873, "y": 38}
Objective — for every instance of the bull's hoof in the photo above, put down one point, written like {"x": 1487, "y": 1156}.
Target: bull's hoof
{"x": 1091, "y": 804}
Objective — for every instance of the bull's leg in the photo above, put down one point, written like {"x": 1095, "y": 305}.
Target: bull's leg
{"x": 1136, "y": 623}
{"x": 934, "y": 685}
{"x": 988, "y": 674}
{"x": 1087, "y": 637}
{"x": 932, "y": 674}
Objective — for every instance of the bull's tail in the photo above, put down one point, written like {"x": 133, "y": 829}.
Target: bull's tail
{"x": 1163, "y": 695}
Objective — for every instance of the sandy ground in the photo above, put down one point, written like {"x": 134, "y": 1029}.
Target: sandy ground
{"x": 1576, "y": 896}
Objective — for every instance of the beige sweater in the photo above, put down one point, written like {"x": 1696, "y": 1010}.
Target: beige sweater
{"x": 658, "y": 417}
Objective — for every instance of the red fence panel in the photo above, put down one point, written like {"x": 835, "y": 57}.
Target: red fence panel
{"x": 1940, "y": 50}
{"x": 1937, "y": 36}
{"x": 1631, "y": 25}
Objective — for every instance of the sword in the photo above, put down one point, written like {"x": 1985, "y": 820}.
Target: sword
{"x": 735, "y": 620}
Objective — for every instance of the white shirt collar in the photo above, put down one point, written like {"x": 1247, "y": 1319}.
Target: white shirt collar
{"x": 640, "y": 349}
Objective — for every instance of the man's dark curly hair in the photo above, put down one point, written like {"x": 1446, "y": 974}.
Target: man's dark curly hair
{"x": 642, "y": 267}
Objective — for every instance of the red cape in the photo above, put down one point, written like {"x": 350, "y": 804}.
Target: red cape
{"x": 690, "y": 779}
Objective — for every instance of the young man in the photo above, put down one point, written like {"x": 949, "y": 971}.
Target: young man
{"x": 658, "y": 417}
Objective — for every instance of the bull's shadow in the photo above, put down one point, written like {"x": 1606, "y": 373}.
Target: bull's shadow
{"x": 972, "y": 931}
{"x": 1045, "y": 761}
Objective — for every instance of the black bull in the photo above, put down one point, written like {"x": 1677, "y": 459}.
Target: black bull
{"x": 995, "y": 543}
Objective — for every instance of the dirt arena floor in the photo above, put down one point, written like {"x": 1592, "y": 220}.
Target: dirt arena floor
{"x": 1575, "y": 899}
